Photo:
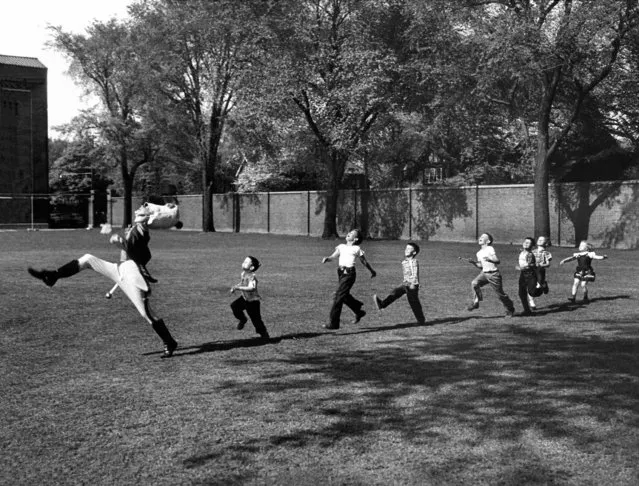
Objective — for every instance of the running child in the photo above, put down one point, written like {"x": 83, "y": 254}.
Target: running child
{"x": 584, "y": 272}
{"x": 542, "y": 258}
{"x": 528, "y": 283}
{"x": 249, "y": 301}
{"x": 347, "y": 253}
{"x": 487, "y": 261}
{"x": 410, "y": 285}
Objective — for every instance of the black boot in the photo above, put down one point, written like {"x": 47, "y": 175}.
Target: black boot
{"x": 145, "y": 273}
{"x": 170, "y": 344}
{"x": 50, "y": 277}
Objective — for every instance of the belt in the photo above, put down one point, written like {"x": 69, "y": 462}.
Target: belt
{"x": 490, "y": 271}
{"x": 346, "y": 269}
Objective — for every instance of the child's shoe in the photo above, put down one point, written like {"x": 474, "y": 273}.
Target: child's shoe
{"x": 265, "y": 336}
{"x": 147, "y": 276}
{"x": 358, "y": 316}
{"x": 240, "y": 325}
{"x": 473, "y": 306}
{"x": 378, "y": 302}
{"x": 586, "y": 300}
{"x": 571, "y": 299}
{"x": 169, "y": 349}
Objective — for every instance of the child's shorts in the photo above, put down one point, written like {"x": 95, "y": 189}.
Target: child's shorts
{"x": 586, "y": 275}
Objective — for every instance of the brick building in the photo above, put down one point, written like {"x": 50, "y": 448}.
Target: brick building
{"x": 23, "y": 142}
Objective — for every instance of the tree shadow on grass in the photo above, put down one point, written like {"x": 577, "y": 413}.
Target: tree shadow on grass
{"x": 501, "y": 387}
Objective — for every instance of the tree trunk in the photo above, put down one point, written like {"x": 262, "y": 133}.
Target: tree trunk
{"x": 207, "y": 200}
{"x": 541, "y": 177}
{"x": 330, "y": 213}
{"x": 127, "y": 180}
{"x": 583, "y": 211}
{"x": 128, "y": 203}
{"x": 208, "y": 170}
{"x": 336, "y": 161}
{"x": 541, "y": 199}
{"x": 365, "y": 199}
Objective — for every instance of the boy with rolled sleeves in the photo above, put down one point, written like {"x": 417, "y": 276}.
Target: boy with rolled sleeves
{"x": 347, "y": 253}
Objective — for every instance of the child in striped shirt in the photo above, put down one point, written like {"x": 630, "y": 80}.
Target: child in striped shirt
{"x": 410, "y": 285}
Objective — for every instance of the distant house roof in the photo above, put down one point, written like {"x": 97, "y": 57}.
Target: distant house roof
{"x": 30, "y": 62}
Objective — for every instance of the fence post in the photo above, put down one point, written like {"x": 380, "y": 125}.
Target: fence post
{"x": 558, "y": 202}
{"x": 476, "y": 211}
{"x": 356, "y": 222}
{"x": 109, "y": 208}
{"x": 268, "y": 212}
{"x": 308, "y": 213}
{"x": 91, "y": 222}
{"x": 410, "y": 213}
{"x": 236, "y": 209}
{"x": 32, "y": 215}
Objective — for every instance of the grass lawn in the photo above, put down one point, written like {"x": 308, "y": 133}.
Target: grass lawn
{"x": 471, "y": 398}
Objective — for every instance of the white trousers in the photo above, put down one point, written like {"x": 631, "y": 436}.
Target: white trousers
{"x": 128, "y": 277}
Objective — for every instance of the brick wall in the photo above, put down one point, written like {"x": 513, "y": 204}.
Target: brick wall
{"x": 435, "y": 213}
{"x": 23, "y": 145}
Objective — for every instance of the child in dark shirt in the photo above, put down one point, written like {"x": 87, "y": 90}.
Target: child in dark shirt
{"x": 249, "y": 301}
{"x": 584, "y": 272}
{"x": 528, "y": 282}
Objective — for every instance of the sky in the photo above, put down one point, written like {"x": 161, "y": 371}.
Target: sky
{"x": 24, "y": 33}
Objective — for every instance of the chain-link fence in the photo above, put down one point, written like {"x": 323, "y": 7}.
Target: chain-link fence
{"x": 62, "y": 210}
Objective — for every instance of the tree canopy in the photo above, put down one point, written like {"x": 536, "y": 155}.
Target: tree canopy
{"x": 287, "y": 94}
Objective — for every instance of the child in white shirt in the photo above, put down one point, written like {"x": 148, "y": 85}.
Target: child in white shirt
{"x": 347, "y": 253}
{"x": 487, "y": 261}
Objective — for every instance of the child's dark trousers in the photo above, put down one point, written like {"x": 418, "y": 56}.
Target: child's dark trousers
{"x": 413, "y": 300}
{"x": 347, "y": 277}
{"x": 252, "y": 308}
{"x": 528, "y": 285}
